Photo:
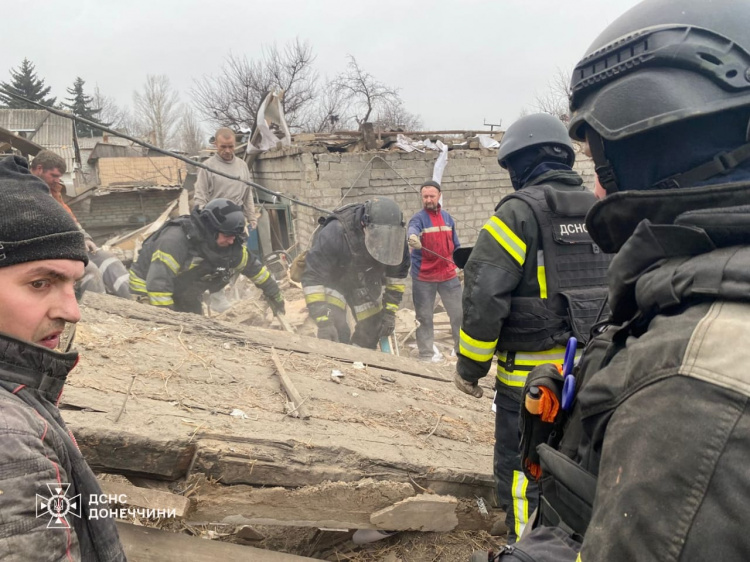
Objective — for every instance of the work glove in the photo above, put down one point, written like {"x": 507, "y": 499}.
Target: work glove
{"x": 276, "y": 302}
{"x": 90, "y": 245}
{"x": 414, "y": 242}
{"x": 472, "y": 389}
{"x": 326, "y": 329}
{"x": 387, "y": 323}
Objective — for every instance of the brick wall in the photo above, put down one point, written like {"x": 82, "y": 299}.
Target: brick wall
{"x": 115, "y": 212}
{"x": 472, "y": 185}
{"x": 154, "y": 170}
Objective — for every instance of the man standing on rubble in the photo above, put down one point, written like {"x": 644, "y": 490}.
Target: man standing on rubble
{"x": 534, "y": 279}
{"x": 652, "y": 462}
{"x": 196, "y": 253}
{"x": 360, "y": 249}
{"x": 211, "y": 186}
{"x": 432, "y": 238}
{"x": 42, "y": 254}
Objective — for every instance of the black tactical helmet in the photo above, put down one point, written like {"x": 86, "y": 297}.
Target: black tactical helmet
{"x": 222, "y": 215}
{"x": 680, "y": 59}
{"x": 535, "y": 130}
{"x": 385, "y": 232}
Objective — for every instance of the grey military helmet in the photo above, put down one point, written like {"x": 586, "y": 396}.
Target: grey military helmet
{"x": 385, "y": 231}
{"x": 679, "y": 59}
{"x": 535, "y": 130}
{"x": 225, "y": 216}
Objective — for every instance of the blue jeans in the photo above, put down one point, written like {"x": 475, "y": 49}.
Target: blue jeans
{"x": 423, "y": 294}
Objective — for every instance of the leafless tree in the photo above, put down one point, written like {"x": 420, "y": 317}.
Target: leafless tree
{"x": 232, "y": 98}
{"x": 329, "y": 112}
{"x": 121, "y": 118}
{"x": 191, "y": 136}
{"x": 555, "y": 99}
{"x": 157, "y": 109}
{"x": 364, "y": 93}
{"x": 395, "y": 117}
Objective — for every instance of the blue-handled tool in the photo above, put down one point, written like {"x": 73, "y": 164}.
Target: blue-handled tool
{"x": 569, "y": 381}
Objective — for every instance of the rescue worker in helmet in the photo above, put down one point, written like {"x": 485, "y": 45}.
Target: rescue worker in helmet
{"x": 358, "y": 258}
{"x": 534, "y": 279}
{"x": 196, "y": 253}
{"x": 649, "y": 464}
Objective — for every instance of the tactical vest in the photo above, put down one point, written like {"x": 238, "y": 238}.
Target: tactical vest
{"x": 572, "y": 274}
{"x": 362, "y": 278}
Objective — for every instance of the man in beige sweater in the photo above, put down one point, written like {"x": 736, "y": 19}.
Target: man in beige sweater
{"x": 213, "y": 186}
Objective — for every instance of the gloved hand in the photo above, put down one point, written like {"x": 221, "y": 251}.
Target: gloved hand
{"x": 414, "y": 242}
{"x": 467, "y": 387}
{"x": 326, "y": 329}
{"x": 276, "y": 303}
{"x": 387, "y": 323}
{"x": 90, "y": 245}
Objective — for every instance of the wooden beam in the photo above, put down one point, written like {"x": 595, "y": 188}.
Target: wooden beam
{"x": 299, "y": 409}
{"x": 192, "y": 323}
{"x": 147, "y": 498}
{"x": 146, "y": 544}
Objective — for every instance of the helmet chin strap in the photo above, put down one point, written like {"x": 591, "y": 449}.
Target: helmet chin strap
{"x": 604, "y": 170}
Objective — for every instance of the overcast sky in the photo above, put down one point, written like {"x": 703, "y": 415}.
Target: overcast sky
{"x": 456, "y": 62}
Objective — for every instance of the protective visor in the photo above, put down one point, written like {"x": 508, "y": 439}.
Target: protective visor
{"x": 385, "y": 242}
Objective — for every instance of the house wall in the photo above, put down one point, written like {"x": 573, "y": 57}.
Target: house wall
{"x": 472, "y": 185}
{"x": 104, "y": 215}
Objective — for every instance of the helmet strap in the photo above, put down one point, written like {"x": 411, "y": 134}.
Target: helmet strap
{"x": 604, "y": 170}
{"x": 722, "y": 163}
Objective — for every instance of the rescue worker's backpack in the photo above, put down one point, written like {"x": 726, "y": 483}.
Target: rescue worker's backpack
{"x": 342, "y": 214}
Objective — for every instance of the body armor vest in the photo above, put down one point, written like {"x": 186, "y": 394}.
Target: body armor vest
{"x": 573, "y": 273}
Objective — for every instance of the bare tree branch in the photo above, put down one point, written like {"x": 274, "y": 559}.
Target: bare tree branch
{"x": 364, "y": 92}
{"x": 555, "y": 99}
{"x": 190, "y": 133}
{"x": 232, "y": 98}
{"x": 395, "y": 117}
{"x": 157, "y": 109}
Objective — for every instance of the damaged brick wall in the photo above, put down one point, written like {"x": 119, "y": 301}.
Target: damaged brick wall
{"x": 104, "y": 215}
{"x": 473, "y": 182}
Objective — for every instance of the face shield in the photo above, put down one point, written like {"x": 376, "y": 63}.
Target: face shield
{"x": 385, "y": 242}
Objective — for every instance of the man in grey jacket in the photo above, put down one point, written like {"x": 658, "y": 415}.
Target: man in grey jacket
{"x": 45, "y": 484}
{"x": 211, "y": 186}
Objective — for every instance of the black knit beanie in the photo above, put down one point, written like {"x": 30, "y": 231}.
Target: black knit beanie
{"x": 33, "y": 226}
{"x": 430, "y": 183}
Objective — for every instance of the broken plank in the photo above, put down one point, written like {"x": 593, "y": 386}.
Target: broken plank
{"x": 192, "y": 323}
{"x": 146, "y": 498}
{"x": 345, "y": 505}
{"x": 299, "y": 409}
{"x": 429, "y": 513}
{"x": 146, "y": 544}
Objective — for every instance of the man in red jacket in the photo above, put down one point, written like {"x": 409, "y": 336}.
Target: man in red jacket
{"x": 432, "y": 237}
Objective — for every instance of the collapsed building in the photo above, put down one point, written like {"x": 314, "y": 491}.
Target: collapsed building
{"x": 236, "y": 431}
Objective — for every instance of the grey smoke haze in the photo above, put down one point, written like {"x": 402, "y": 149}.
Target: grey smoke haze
{"x": 456, "y": 63}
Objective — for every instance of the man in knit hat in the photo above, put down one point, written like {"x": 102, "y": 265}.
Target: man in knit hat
{"x": 432, "y": 237}
{"x": 42, "y": 254}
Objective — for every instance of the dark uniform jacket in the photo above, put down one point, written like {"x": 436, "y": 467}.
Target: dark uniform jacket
{"x": 662, "y": 420}
{"x": 180, "y": 261}
{"x": 339, "y": 270}
{"x": 36, "y": 449}
{"x": 505, "y": 274}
